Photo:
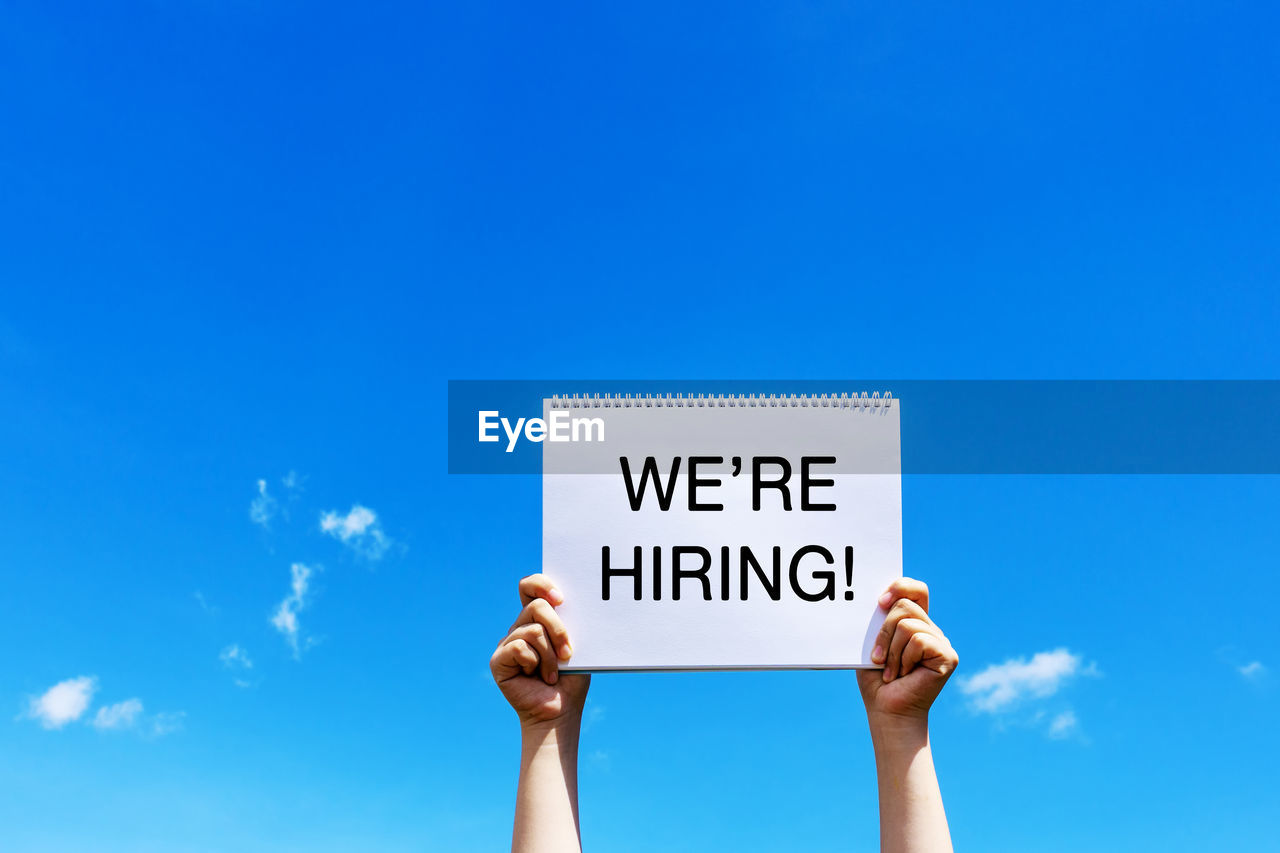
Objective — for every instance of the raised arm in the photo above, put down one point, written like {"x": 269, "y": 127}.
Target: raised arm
{"x": 918, "y": 660}
{"x": 526, "y": 668}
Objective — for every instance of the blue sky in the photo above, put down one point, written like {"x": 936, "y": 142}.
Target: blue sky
{"x": 244, "y": 241}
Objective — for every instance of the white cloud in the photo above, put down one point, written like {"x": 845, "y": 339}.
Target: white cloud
{"x": 358, "y": 529}
{"x": 263, "y": 508}
{"x": 67, "y": 701}
{"x": 1002, "y": 686}
{"x": 285, "y": 619}
{"x": 292, "y": 481}
{"x": 355, "y": 523}
{"x": 121, "y": 715}
{"x": 166, "y": 723}
{"x": 1252, "y": 670}
{"x": 234, "y": 657}
{"x": 64, "y": 702}
{"x": 1064, "y": 725}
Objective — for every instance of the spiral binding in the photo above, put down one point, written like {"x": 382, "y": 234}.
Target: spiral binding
{"x": 874, "y": 400}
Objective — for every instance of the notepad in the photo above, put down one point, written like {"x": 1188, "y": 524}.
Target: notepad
{"x": 722, "y": 532}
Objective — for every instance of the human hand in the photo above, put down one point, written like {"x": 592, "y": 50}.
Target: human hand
{"x": 526, "y": 664}
{"x": 917, "y": 657}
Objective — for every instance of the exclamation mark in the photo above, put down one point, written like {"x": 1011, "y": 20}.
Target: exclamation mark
{"x": 848, "y": 572}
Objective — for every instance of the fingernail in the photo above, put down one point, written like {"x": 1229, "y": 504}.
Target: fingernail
{"x": 556, "y": 595}
{"x": 886, "y": 599}
{"x": 888, "y": 675}
{"x": 555, "y": 675}
{"x": 877, "y": 654}
{"x": 566, "y": 652}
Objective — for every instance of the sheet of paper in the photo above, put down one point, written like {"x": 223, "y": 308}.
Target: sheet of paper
{"x": 753, "y": 585}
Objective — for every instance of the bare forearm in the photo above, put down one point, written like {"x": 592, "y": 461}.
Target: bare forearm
{"x": 912, "y": 819}
{"x": 547, "y": 796}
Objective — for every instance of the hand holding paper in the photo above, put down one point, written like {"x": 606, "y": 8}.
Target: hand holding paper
{"x": 526, "y": 663}
{"x": 918, "y": 659}
{"x": 526, "y": 668}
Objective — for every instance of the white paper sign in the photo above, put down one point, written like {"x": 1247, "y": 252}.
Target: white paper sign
{"x": 781, "y": 528}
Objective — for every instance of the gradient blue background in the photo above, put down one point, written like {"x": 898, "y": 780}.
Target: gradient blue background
{"x": 241, "y": 239}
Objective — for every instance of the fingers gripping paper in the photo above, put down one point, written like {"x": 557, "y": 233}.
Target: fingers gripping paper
{"x": 721, "y": 533}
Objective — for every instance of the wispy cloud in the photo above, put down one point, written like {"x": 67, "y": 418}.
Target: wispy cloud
{"x": 64, "y": 702}
{"x": 359, "y": 529}
{"x": 285, "y": 618}
{"x": 1063, "y": 725}
{"x": 166, "y": 723}
{"x": 1003, "y": 685}
{"x": 1253, "y": 670}
{"x": 1018, "y": 691}
{"x": 266, "y": 506}
{"x": 211, "y": 609}
{"x": 263, "y": 508}
{"x": 122, "y": 715}
{"x": 68, "y": 701}
{"x": 235, "y": 657}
